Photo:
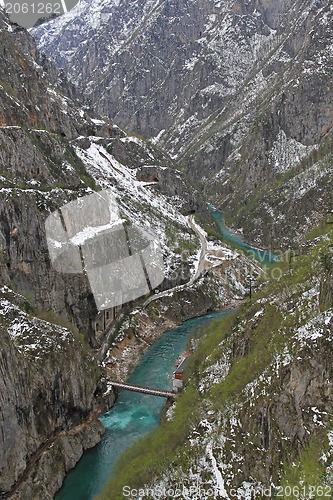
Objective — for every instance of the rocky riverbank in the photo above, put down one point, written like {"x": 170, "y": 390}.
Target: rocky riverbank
{"x": 142, "y": 326}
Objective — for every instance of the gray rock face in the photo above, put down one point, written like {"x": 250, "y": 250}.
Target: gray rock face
{"x": 52, "y": 152}
{"x": 40, "y": 172}
{"x": 172, "y": 183}
{"x": 239, "y": 92}
{"x": 283, "y": 425}
{"x": 47, "y": 476}
{"x": 150, "y": 67}
{"x": 32, "y": 184}
{"x": 48, "y": 386}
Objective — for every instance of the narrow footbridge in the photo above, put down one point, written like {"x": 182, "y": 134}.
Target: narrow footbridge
{"x": 144, "y": 390}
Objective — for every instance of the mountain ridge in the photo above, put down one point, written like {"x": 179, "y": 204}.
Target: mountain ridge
{"x": 56, "y": 348}
{"x": 239, "y": 96}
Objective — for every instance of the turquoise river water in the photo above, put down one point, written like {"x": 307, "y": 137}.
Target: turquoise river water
{"x": 134, "y": 414}
{"x": 266, "y": 257}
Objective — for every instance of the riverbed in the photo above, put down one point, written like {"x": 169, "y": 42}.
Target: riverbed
{"x": 133, "y": 414}
{"x": 265, "y": 257}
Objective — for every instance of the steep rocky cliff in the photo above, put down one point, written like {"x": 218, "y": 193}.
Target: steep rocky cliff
{"x": 239, "y": 92}
{"x": 50, "y": 385}
{"x": 39, "y": 172}
{"x": 48, "y": 145}
{"x": 53, "y": 152}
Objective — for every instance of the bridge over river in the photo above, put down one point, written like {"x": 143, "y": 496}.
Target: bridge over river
{"x": 144, "y": 389}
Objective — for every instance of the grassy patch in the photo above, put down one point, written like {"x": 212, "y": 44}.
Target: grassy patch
{"x": 56, "y": 319}
{"x": 144, "y": 460}
{"x": 309, "y": 473}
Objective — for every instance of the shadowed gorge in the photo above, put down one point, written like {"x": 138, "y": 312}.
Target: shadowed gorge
{"x": 163, "y": 162}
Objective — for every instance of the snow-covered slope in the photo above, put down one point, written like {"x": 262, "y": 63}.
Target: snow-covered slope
{"x": 52, "y": 152}
{"x": 238, "y": 92}
{"x": 52, "y": 336}
{"x": 140, "y": 202}
{"x": 150, "y": 55}
{"x": 82, "y": 22}
{"x": 102, "y": 19}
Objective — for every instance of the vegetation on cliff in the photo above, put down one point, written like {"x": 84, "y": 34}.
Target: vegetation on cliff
{"x": 257, "y": 408}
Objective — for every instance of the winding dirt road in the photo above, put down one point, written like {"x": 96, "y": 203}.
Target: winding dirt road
{"x": 198, "y": 271}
